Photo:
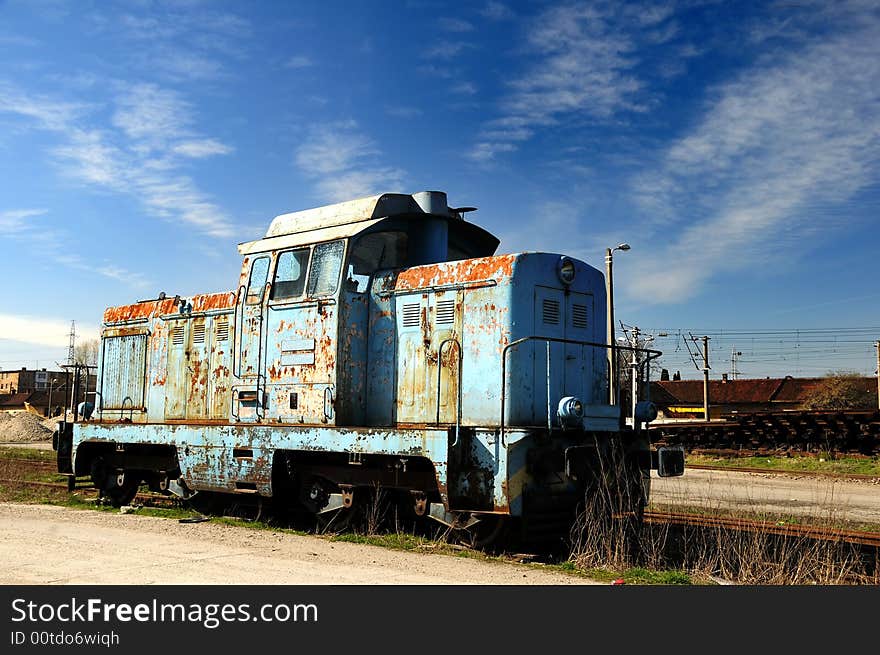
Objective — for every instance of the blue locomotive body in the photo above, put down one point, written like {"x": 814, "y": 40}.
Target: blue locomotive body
{"x": 374, "y": 342}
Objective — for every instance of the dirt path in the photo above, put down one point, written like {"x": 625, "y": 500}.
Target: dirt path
{"x": 825, "y": 498}
{"x": 53, "y": 545}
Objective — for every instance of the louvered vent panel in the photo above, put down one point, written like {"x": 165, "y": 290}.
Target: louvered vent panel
{"x": 551, "y": 312}
{"x": 579, "y": 316}
{"x": 221, "y": 331}
{"x": 411, "y": 315}
{"x": 199, "y": 333}
{"x": 446, "y": 312}
{"x": 177, "y": 335}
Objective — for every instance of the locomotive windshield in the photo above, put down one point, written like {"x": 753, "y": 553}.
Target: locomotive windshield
{"x": 290, "y": 274}
{"x": 326, "y": 265}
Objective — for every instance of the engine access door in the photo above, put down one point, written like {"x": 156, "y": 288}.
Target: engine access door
{"x": 562, "y": 368}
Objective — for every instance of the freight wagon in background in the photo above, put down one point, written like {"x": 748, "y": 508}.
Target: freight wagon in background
{"x": 376, "y": 342}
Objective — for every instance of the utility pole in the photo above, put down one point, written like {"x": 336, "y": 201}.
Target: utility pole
{"x": 734, "y": 373}
{"x": 635, "y": 373}
{"x": 878, "y": 373}
{"x": 609, "y": 316}
{"x": 706, "y": 378}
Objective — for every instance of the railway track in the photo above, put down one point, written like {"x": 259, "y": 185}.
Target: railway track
{"x": 818, "y": 533}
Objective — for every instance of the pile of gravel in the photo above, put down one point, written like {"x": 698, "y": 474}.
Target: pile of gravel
{"x": 52, "y": 422}
{"x": 23, "y": 427}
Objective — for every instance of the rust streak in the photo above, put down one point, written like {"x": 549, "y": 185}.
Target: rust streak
{"x": 469, "y": 270}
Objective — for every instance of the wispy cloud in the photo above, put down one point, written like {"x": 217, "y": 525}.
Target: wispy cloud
{"x": 142, "y": 157}
{"x": 446, "y": 50}
{"x": 777, "y": 148}
{"x": 344, "y": 163}
{"x": 16, "y": 221}
{"x": 464, "y": 88}
{"x": 401, "y": 111}
{"x": 584, "y": 61}
{"x": 201, "y": 148}
{"x": 454, "y": 25}
{"x": 18, "y": 41}
{"x": 180, "y": 43}
{"x": 50, "y": 114}
{"x": 51, "y": 244}
{"x": 496, "y": 11}
{"x": 299, "y": 61}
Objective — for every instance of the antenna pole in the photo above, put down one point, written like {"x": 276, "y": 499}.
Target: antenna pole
{"x": 70, "y": 349}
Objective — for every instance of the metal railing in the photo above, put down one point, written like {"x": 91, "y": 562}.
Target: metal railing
{"x": 613, "y": 377}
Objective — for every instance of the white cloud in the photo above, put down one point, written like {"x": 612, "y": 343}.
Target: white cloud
{"x": 778, "y": 144}
{"x": 298, "y": 61}
{"x": 584, "y": 64}
{"x": 15, "y": 221}
{"x": 486, "y": 151}
{"x": 179, "y": 43}
{"x": 446, "y": 50}
{"x": 49, "y": 114}
{"x": 345, "y": 164}
{"x": 496, "y": 11}
{"x": 201, "y": 148}
{"x": 142, "y": 158}
{"x": 40, "y": 331}
{"x": 92, "y": 160}
{"x": 146, "y": 112}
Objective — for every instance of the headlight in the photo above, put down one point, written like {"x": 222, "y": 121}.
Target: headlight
{"x": 570, "y": 412}
{"x": 566, "y": 271}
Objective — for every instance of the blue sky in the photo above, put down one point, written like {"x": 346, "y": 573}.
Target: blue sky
{"x": 735, "y": 146}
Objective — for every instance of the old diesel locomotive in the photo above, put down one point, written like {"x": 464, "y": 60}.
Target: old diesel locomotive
{"x": 376, "y": 342}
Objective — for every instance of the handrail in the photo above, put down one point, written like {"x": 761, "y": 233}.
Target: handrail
{"x": 458, "y": 384}
{"x": 328, "y": 390}
{"x": 238, "y": 327}
{"x": 652, "y": 354}
{"x": 130, "y": 409}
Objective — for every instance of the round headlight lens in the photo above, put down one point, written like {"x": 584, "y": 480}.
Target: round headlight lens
{"x": 566, "y": 270}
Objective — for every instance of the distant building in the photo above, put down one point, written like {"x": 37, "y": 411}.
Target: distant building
{"x": 25, "y": 380}
{"x": 684, "y": 398}
{"x": 47, "y": 391}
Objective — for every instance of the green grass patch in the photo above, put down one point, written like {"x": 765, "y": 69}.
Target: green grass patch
{"x": 393, "y": 540}
{"x": 11, "y": 452}
{"x": 846, "y": 465}
{"x": 635, "y": 575}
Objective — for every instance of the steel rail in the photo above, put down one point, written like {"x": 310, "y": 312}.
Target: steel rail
{"x": 786, "y": 530}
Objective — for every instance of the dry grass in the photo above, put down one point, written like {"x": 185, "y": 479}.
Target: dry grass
{"x": 609, "y": 535}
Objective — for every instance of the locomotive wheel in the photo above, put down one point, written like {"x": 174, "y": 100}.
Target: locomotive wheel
{"x": 104, "y": 478}
{"x": 123, "y": 495}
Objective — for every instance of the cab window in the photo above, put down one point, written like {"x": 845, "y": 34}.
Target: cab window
{"x": 290, "y": 274}
{"x": 326, "y": 266}
{"x": 257, "y": 282}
